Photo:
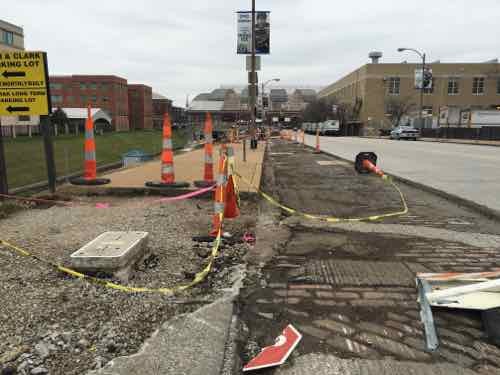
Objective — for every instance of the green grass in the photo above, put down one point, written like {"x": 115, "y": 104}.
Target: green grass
{"x": 25, "y": 156}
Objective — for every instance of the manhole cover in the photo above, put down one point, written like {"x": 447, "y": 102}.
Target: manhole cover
{"x": 358, "y": 273}
{"x": 331, "y": 162}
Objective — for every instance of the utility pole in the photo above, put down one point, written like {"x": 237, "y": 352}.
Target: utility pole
{"x": 422, "y": 88}
{"x": 253, "y": 79}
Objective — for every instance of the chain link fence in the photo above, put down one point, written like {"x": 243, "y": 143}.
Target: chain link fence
{"x": 25, "y": 155}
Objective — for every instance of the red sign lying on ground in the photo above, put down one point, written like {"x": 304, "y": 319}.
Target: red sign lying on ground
{"x": 278, "y": 353}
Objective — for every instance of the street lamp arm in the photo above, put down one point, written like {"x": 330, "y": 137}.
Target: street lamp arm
{"x": 271, "y": 80}
{"x": 414, "y": 50}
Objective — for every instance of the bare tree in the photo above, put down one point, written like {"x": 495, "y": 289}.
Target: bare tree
{"x": 397, "y": 107}
{"x": 59, "y": 119}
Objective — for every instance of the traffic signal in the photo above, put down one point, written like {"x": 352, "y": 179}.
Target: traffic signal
{"x": 427, "y": 79}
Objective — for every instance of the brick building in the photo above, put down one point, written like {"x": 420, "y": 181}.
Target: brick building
{"x": 140, "y": 107}
{"x": 109, "y": 93}
{"x": 161, "y": 105}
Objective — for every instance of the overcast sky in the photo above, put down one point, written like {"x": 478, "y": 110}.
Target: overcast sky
{"x": 189, "y": 46}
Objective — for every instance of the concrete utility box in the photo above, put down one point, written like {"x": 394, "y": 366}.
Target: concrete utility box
{"x": 134, "y": 157}
{"x": 111, "y": 252}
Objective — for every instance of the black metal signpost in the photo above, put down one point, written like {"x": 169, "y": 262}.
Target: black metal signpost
{"x": 47, "y": 138}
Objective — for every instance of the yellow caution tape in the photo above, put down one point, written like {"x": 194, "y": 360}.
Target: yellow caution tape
{"x": 199, "y": 277}
{"x": 292, "y": 211}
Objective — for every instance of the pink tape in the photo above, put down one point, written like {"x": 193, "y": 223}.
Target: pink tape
{"x": 248, "y": 238}
{"x": 102, "y": 205}
{"x": 186, "y": 196}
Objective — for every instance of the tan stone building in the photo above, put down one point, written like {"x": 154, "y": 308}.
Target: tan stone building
{"x": 462, "y": 86}
{"x": 11, "y": 36}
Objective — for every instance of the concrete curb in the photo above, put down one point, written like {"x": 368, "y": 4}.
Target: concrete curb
{"x": 190, "y": 344}
{"x": 484, "y": 210}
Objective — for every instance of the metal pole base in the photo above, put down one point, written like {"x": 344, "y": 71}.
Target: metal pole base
{"x": 80, "y": 181}
{"x": 164, "y": 185}
{"x": 204, "y": 184}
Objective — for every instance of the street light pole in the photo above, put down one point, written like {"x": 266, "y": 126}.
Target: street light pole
{"x": 264, "y": 84}
{"x": 253, "y": 83}
{"x": 422, "y": 88}
{"x": 421, "y": 120}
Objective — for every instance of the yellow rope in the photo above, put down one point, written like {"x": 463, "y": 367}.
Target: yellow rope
{"x": 292, "y": 211}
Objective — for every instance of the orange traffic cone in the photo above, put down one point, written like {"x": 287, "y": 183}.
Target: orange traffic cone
{"x": 366, "y": 162}
{"x": 167, "y": 160}
{"x": 219, "y": 198}
{"x": 90, "y": 163}
{"x": 317, "y": 150}
{"x": 208, "y": 176}
{"x": 231, "y": 209}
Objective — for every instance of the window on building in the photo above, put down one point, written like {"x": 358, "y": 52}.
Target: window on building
{"x": 56, "y": 86}
{"x": 83, "y": 99}
{"x": 498, "y": 86}
{"x": 8, "y": 38}
{"x": 83, "y": 85}
{"x": 56, "y": 98}
{"x": 105, "y": 99}
{"x": 394, "y": 85}
{"x": 94, "y": 99}
{"x": 69, "y": 99}
{"x": 453, "y": 86}
{"x": 93, "y": 86}
{"x": 24, "y": 118}
{"x": 478, "y": 86}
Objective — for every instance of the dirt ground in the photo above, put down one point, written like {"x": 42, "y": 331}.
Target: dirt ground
{"x": 350, "y": 289}
{"x": 52, "y": 323}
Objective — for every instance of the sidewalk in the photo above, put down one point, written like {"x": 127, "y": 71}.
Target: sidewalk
{"x": 188, "y": 167}
{"x": 463, "y": 141}
{"x": 447, "y": 140}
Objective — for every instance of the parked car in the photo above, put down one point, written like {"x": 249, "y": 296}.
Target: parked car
{"x": 405, "y": 132}
{"x": 330, "y": 127}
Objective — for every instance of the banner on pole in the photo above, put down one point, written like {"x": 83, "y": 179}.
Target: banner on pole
{"x": 262, "y": 33}
{"x": 419, "y": 78}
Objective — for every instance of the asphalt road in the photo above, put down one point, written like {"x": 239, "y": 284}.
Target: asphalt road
{"x": 467, "y": 171}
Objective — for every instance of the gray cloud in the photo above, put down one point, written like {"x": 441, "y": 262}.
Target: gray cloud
{"x": 186, "y": 47}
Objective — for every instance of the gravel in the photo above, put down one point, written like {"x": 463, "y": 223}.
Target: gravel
{"x": 55, "y": 324}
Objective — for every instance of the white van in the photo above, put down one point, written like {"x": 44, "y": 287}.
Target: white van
{"x": 330, "y": 127}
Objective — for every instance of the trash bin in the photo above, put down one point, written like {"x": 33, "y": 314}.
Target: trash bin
{"x": 134, "y": 157}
